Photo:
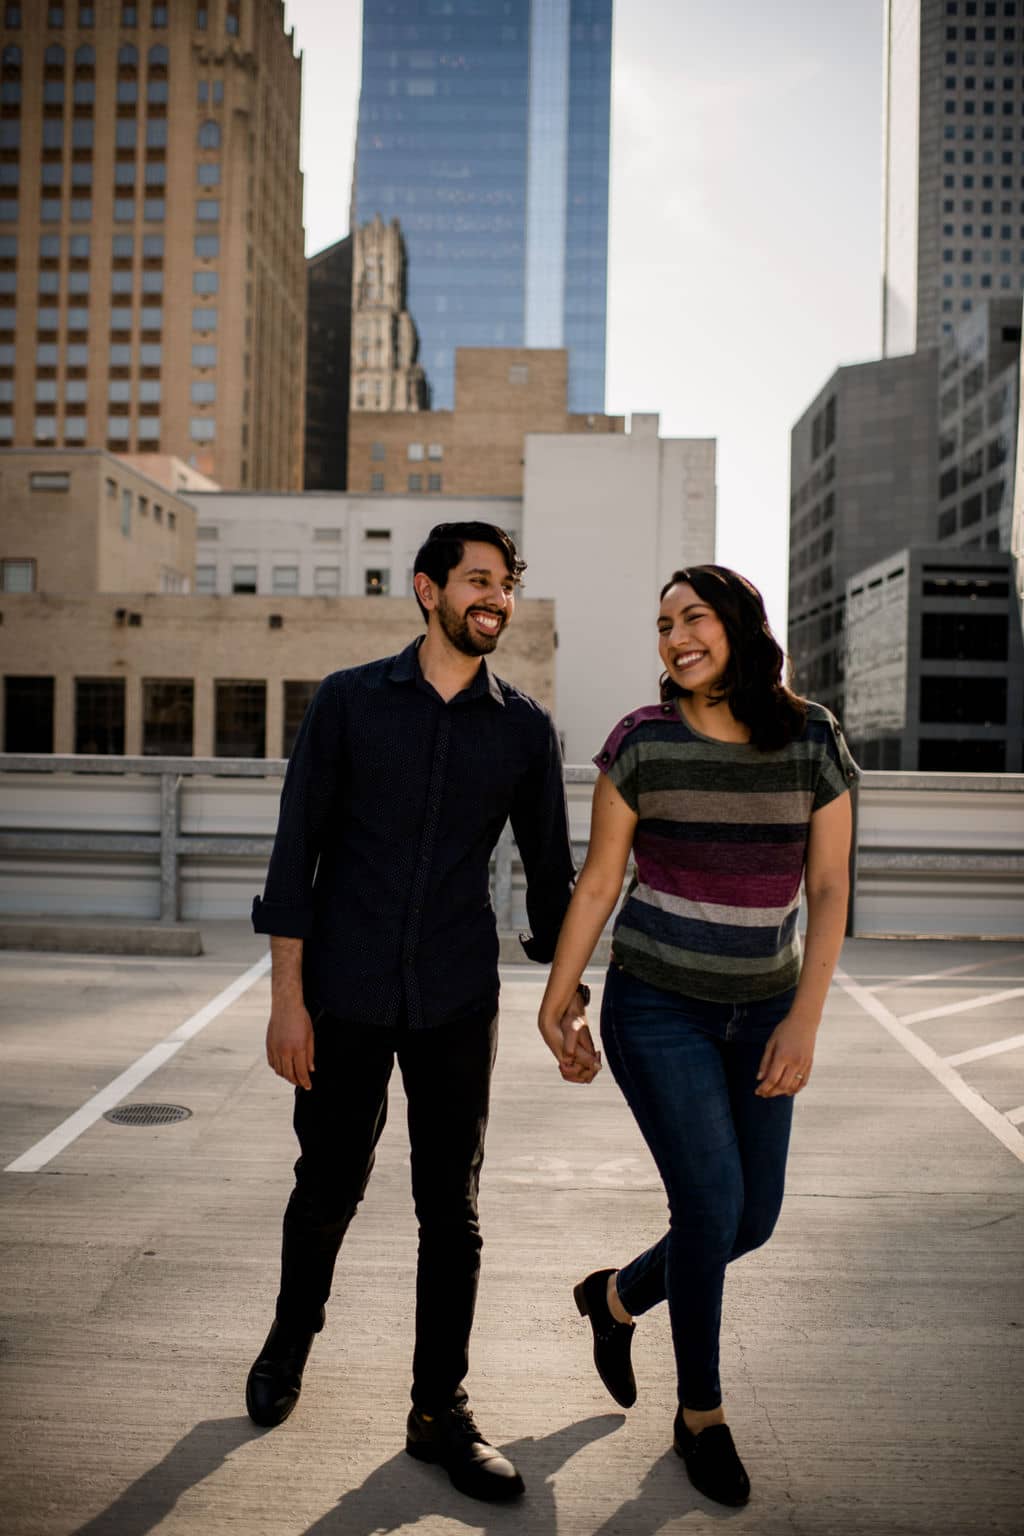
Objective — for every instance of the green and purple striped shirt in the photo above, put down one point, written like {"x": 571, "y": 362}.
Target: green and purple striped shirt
{"x": 719, "y": 851}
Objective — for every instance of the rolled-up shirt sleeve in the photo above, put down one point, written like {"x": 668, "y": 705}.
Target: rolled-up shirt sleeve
{"x": 540, "y": 822}
{"x": 310, "y": 794}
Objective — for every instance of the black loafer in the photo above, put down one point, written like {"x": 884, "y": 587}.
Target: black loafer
{"x": 612, "y": 1339}
{"x": 712, "y": 1463}
{"x": 275, "y": 1378}
{"x": 452, "y": 1441}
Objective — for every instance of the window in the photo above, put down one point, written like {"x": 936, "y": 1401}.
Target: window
{"x": 297, "y": 698}
{"x": 377, "y": 583}
{"x": 208, "y": 210}
{"x": 415, "y": 452}
{"x": 204, "y": 319}
{"x": 167, "y": 714}
{"x": 151, "y": 354}
{"x": 201, "y": 18}
{"x": 207, "y": 246}
{"x": 240, "y": 718}
{"x": 206, "y": 578}
{"x": 152, "y": 319}
{"x": 159, "y": 17}
{"x": 17, "y": 575}
{"x": 203, "y": 392}
{"x": 966, "y": 700}
{"x": 209, "y": 134}
{"x": 49, "y": 480}
{"x": 377, "y": 452}
{"x": 28, "y": 714}
{"x": 99, "y": 715}
{"x": 433, "y": 482}
{"x": 964, "y": 637}
{"x": 126, "y": 513}
{"x": 415, "y": 482}
{"x": 435, "y": 451}
{"x": 209, "y": 174}
{"x": 285, "y": 580}
{"x": 204, "y": 356}
{"x": 154, "y": 210}
{"x": 202, "y": 430}
{"x": 376, "y": 481}
{"x": 243, "y": 579}
{"x": 205, "y": 282}
{"x": 326, "y": 581}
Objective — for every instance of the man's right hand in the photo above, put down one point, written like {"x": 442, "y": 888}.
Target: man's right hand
{"x": 290, "y": 1043}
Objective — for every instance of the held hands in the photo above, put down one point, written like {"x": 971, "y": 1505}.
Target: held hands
{"x": 785, "y": 1068}
{"x": 290, "y": 1043}
{"x": 569, "y": 1040}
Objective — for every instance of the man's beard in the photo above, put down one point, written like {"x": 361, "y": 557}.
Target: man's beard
{"x": 461, "y": 633}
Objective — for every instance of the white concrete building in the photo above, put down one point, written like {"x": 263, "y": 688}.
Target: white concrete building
{"x": 325, "y": 543}
{"x": 606, "y": 520}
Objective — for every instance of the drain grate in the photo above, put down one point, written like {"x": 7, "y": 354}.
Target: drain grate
{"x": 147, "y": 1114}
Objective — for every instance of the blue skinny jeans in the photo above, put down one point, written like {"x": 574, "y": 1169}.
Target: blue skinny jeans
{"x": 688, "y": 1070}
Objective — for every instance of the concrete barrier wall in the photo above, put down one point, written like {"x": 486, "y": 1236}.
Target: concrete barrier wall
{"x": 937, "y": 854}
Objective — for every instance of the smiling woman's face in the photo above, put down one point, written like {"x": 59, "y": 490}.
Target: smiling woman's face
{"x": 692, "y": 642}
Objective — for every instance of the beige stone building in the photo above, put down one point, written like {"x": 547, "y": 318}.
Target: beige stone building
{"x": 477, "y": 449}
{"x": 385, "y": 375}
{"x": 81, "y": 520}
{"x": 152, "y": 275}
{"x": 206, "y": 676}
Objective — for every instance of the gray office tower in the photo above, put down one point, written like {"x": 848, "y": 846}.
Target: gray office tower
{"x": 953, "y": 152}
{"x": 484, "y": 129}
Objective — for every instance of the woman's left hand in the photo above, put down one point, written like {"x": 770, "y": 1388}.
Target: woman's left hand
{"x": 785, "y": 1068}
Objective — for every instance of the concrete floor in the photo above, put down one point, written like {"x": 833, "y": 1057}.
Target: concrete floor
{"x": 872, "y": 1353}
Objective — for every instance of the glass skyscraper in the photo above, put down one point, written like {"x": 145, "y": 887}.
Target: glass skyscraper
{"x": 484, "y": 129}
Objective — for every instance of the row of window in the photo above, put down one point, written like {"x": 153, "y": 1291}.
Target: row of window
{"x": 986, "y": 8}
{"x": 131, "y": 15}
{"x": 76, "y": 355}
{"x": 284, "y": 580}
{"x": 413, "y": 483}
{"x": 415, "y": 452}
{"x": 168, "y": 715}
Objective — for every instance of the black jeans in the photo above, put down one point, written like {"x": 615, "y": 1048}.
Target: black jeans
{"x": 446, "y": 1073}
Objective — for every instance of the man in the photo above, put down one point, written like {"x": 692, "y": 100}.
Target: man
{"x": 384, "y": 945}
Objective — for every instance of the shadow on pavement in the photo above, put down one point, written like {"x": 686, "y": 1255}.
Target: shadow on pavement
{"x": 398, "y": 1493}
{"x": 145, "y": 1502}
{"x": 402, "y": 1492}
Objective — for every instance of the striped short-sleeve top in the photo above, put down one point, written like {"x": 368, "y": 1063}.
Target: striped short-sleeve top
{"x": 719, "y": 851}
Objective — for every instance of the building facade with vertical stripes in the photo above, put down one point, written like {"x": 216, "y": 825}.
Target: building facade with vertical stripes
{"x": 152, "y": 273}
{"x": 484, "y": 130}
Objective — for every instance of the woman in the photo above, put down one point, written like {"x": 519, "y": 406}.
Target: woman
{"x": 726, "y": 794}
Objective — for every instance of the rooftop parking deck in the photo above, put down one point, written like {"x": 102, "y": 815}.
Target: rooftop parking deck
{"x": 872, "y": 1353}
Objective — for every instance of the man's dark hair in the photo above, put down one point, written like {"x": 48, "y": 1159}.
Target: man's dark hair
{"x": 753, "y": 679}
{"x": 446, "y": 545}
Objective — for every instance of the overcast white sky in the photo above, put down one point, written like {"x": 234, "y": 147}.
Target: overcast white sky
{"x": 745, "y": 222}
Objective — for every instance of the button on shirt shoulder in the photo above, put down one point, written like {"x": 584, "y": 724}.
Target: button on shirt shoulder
{"x": 392, "y": 804}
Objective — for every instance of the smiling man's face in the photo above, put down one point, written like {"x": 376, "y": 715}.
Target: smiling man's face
{"x": 478, "y": 600}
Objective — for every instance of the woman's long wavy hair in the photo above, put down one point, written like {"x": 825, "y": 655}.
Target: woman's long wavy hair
{"x": 752, "y": 683}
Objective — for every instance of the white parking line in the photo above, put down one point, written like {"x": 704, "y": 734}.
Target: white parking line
{"x": 44, "y": 1151}
{"x": 985, "y": 1000}
{"x": 890, "y": 985}
{"x": 943, "y": 1073}
{"x": 994, "y": 1048}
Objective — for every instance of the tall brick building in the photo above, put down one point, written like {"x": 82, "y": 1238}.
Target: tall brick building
{"x": 152, "y": 276}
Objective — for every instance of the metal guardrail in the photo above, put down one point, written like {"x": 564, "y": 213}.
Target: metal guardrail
{"x": 170, "y": 844}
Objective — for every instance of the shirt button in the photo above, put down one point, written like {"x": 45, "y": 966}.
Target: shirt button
{"x": 629, "y": 720}
{"x": 666, "y": 709}
{"x": 605, "y": 756}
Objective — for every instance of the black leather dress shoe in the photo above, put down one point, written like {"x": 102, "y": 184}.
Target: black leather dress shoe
{"x": 275, "y": 1378}
{"x": 712, "y": 1462}
{"x": 612, "y": 1339}
{"x": 452, "y": 1440}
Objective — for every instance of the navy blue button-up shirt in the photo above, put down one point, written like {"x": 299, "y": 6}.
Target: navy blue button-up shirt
{"x": 392, "y": 805}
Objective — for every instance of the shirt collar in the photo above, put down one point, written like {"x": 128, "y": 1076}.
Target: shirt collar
{"x": 406, "y": 669}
